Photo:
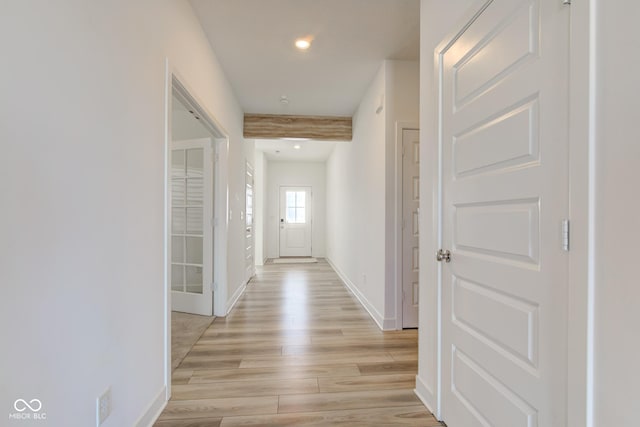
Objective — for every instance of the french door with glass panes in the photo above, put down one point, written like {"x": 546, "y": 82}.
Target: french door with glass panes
{"x": 191, "y": 226}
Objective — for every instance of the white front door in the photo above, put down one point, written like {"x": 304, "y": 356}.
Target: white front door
{"x": 410, "y": 231}
{"x": 504, "y": 138}
{"x": 295, "y": 221}
{"x": 191, "y": 226}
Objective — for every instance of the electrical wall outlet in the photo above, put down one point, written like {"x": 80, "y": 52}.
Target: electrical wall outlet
{"x": 103, "y": 407}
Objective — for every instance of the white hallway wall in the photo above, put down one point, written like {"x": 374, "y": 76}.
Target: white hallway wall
{"x": 304, "y": 174}
{"x": 403, "y": 105}
{"x": 81, "y": 247}
{"x": 361, "y": 190}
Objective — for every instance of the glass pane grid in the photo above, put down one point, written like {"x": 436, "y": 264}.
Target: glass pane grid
{"x": 193, "y": 253}
{"x": 194, "y": 191}
{"x": 296, "y": 207}
{"x": 177, "y": 278}
{"x": 193, "y": 279}
{"x": 178, "y": 192}
{"x": 187, "y": 195}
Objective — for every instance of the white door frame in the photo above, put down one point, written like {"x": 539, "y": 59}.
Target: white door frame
{"x": 581, "y": 283}
{"x": 400, "y": 127}
{"x": 175, "y": 85}
{"x": 582, "y": 262}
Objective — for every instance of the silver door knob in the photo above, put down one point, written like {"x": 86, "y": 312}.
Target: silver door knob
{"x": 443, "y": 256}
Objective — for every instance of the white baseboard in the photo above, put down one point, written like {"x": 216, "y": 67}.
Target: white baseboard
{"x": 235, "y": 297}
{"x": 425, "y": 394}
{"x": 390, "y": 325}
{"x": 383, "y": 324}
{"x": 153, "y": 411}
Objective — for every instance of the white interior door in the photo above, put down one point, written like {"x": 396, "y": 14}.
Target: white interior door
{"x": 295, "y": 221}
{"x": 410, "y": 229}
{"x": 191, "y": 226}
{"x": 504, "y": 129}
{"x": 249, "y": 251}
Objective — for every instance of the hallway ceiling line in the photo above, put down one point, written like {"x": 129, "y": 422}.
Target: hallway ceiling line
{"x": 254, "y": 41}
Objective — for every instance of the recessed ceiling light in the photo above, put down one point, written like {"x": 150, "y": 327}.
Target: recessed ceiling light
{"x": 303, "y": 44}
{"x": 297, "y": 146}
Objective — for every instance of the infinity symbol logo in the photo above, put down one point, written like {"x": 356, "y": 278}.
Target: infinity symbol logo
{"x": 21, "y": 405}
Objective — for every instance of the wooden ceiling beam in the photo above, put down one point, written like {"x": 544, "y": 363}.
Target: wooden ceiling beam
{"x": 275, "y": 126}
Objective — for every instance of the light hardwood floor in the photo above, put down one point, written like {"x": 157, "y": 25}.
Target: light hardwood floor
{"x": 297, "y": 350}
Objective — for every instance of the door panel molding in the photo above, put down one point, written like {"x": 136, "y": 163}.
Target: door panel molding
{"x": 498, "y": 208}
{"x": 401, "y": 126}
{"x": 581, "y": 165}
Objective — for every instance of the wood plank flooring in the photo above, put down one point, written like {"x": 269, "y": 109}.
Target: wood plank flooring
{"x": 297, "y": 350}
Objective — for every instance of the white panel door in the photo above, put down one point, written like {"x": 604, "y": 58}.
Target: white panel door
{"x": 504, "y": 129}
{"x": 295, "y": 221}
{"x": 191, "y": 226}
{"x": 249, "y": 257}
{"x": 410, "y": 230}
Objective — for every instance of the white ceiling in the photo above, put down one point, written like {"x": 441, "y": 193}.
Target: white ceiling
{"x": 254, "y": 41}
{"x": 281, "y": 150}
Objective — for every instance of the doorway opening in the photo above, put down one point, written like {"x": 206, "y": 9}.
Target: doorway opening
{"x": 195, "y": 235}
{"x": 407, "y": 232}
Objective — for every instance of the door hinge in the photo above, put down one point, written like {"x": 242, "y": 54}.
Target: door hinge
{"x": 443, "y": 255}
{"x": 566, "y": 234}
